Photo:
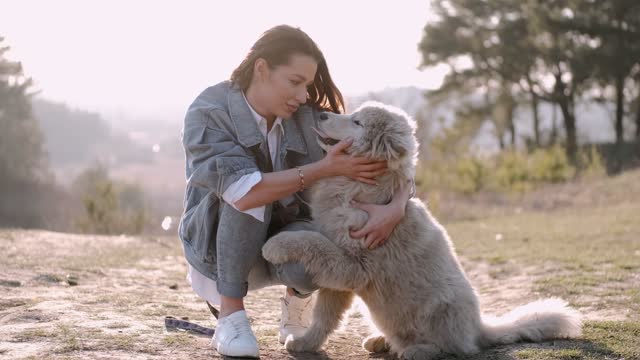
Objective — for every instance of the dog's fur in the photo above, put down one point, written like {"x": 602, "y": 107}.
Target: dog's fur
{"x": 413, "y": 285}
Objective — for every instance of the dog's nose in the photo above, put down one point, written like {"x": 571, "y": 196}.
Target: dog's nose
{"x": 324, "y": 116}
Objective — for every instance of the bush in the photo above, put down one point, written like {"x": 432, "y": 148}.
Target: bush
{"x": 512, "y": 171}
{"x": 110, "y": 207}
{"x": 472, "y": 175}
{"x": 592, "y": 163}
{"x": 551, "y": 165}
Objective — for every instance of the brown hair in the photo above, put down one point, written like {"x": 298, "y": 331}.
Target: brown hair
{"x": 276, "y": 46}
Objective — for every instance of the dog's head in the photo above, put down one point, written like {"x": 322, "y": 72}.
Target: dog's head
{"x": 379, "y": 131}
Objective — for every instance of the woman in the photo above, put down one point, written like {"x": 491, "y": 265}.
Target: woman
{"x": 251, "y": 156}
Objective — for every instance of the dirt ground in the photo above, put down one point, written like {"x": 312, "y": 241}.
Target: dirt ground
{"x": 127, "y": 285}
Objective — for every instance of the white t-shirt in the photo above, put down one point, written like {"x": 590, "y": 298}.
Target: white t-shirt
{"x": 202, "y": 285}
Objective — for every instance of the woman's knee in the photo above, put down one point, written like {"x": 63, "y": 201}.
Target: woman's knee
{"x": 294, "y": 276}
{"x": 239, "y": 230}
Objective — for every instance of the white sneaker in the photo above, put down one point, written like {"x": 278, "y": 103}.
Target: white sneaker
{"x": 233, "y": 336}
{"x": 296, "y": 316}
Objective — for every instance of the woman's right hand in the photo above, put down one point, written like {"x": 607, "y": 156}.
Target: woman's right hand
{"x": 363, "y": 169}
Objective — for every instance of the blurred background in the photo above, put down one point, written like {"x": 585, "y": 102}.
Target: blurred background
{"x": 510, "y": 96}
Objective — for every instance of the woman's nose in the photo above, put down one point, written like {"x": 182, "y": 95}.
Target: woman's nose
{"x": 301, "y": 97}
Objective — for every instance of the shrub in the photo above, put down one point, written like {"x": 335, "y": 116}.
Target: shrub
{"x": 512, "y": 171}
{"x": 110, "y": 207}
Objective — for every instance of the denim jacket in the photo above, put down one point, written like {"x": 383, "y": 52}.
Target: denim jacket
{"x": 222, "y": 143}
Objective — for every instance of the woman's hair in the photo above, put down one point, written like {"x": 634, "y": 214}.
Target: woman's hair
{"x": 276, "y": 46}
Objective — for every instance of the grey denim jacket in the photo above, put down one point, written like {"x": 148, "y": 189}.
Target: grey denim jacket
{"x": 222, "y": 143}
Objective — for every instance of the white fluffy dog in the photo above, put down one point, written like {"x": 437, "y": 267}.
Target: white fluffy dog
{"x": 414, "y": 286}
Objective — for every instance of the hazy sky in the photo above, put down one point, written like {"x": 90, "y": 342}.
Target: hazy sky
{"x": 145, "y": 58}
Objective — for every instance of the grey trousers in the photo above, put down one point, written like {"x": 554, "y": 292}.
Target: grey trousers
{"x": 241, "y": 267}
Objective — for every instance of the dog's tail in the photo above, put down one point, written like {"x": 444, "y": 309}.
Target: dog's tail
{"x": 538, "y": 321}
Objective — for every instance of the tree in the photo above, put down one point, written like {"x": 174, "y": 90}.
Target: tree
{"x": 614, "y": 28}
{"x": 563, "y": 64}
{"x": 21, "y": 152}
{"x": 493, "y": 36}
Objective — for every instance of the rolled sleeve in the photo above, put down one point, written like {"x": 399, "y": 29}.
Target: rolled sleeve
{"x": 239, "y": 189}
{"x": 214, "y": 158}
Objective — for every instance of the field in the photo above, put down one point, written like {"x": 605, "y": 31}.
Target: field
{"x": 580, "y": 242}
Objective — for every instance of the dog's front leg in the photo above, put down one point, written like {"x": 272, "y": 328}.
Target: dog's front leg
{"x": 327, "y": 313}
{"x": 330, "y": 266}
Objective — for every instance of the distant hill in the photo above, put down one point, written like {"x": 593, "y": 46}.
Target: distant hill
{"x": 77, "y": 137}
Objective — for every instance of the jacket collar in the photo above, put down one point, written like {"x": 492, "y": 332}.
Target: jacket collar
{"x": 248, "y": 132}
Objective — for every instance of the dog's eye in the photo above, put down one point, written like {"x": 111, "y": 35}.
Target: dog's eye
{"x": 357, "y": 122}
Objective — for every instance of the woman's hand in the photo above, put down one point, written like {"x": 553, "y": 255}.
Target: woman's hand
{"x": 382, "y": 220}
{"x": 339, "y": 163}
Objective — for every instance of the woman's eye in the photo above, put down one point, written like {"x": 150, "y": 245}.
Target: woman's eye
{"x": 294, "y": 82}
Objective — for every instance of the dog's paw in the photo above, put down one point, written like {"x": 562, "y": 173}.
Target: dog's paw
{"x": 280, "y": 248}
{"x": 376, "y": 344}
{"x": 301, "y": 344}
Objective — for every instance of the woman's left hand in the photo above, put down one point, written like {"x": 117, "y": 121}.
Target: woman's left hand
{"x": 382, "y": 220}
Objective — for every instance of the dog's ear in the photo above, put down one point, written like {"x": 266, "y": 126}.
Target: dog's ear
{"x": 391, "y": 144}
{"x": 388, "y": 133}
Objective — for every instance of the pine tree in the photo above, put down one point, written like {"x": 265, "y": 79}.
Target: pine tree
{"x": 21, "y": 150}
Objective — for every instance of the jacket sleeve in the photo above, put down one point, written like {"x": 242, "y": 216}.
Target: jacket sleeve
{"x": 214, "y": 157}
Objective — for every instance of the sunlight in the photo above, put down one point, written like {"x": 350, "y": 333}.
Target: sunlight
{"x": 97, "y": 55}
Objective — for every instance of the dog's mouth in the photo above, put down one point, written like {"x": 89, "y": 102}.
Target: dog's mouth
{"x": 324, "y": 138}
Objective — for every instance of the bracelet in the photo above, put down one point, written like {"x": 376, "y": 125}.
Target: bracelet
{"x": 301, "y": 175}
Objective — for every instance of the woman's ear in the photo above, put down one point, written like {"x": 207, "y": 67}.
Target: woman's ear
{"x": 261, "y": 68}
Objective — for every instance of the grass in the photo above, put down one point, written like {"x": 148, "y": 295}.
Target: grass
{"x": 88, "y": 255}
{"x": 574, "y": 253}
{"x": 601, "y": 340}
{"x": 587, "y": 252}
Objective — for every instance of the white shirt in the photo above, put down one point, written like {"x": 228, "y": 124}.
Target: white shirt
{"x": 240, "y": 188}
{"x": 202, "y": 285}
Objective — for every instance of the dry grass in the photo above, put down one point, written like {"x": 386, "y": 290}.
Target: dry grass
{"x": 584, "y": 247}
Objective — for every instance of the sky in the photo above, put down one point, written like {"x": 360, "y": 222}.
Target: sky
{"x": 145, "y": 58}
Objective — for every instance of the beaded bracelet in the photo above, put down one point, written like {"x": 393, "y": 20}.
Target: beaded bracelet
{"x": 301, "y": 175}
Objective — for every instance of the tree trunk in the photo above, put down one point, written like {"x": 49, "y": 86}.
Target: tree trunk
{"x": 554, "y": 125}
{"x": 638, "y": 117}
{"x": 619, "y": 111}
{"x": 565, "y": 99}
{"x": 536, "y": 119}
{"x": 509, "y": 110}
{"x": 512, "y": 130}
{"x": 504, "y": 109}
{"x": 566, "y": 105}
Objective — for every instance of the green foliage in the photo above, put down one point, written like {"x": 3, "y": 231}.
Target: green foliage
{"x": 510, "y": 171}
{"x": 591, "y": 163}
{"x": 472, "y": 175}
{"x": 518, "y": 171}
{"x": 21, "y": 152}
{"x": 551, "y": 165}
{"x": 110, "y": 207}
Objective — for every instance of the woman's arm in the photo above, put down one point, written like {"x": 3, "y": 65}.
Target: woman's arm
{"x": 383, "y": 218}
{"x": 279, "y": 184}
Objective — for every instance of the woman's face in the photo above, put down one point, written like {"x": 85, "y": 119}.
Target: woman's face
{"x": 284, "y": 88}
